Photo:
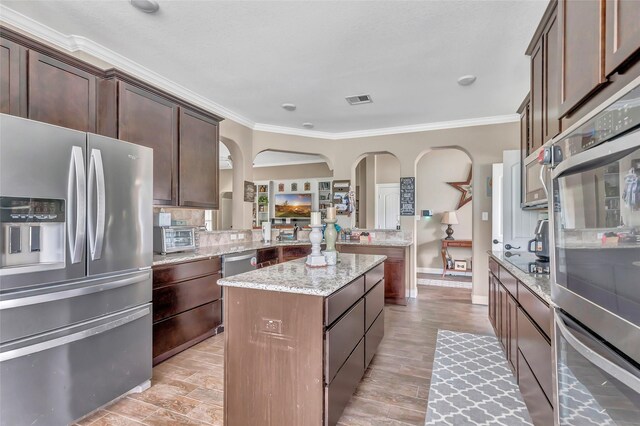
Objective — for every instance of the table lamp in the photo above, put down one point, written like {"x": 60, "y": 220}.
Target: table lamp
{"x": 449, "y": 218}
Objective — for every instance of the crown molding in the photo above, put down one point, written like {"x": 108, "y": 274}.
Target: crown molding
{"x": 75, "y": 43}
{"x": 414, "y": 128}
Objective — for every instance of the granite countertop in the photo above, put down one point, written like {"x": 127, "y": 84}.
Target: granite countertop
{"x": 539, "y": 284}
{"x": 219, "y": 250}
{"x": 378, "y": 243}
{"x": 296, "y": 277}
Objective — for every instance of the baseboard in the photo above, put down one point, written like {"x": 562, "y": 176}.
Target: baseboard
{"x": 438, "y": 271}
{"x": 479, "y": 300}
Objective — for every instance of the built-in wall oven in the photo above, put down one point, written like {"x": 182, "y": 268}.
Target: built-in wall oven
{"x": 595, "y": 215}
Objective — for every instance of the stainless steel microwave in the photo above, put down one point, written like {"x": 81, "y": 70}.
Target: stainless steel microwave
{"x": 172, "y": 239}
{"x": 535, "y": 180}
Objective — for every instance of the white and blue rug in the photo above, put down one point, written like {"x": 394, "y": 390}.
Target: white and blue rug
{"x": 472, "y": 384}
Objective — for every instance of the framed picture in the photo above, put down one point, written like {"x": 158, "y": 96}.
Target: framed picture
{"x": 294, "y": 187}
{"x": 459, "y": 265}
{"x": 281, "y": 187}
{"x": 249, "y": 191}
{"x": 307, "y": 186}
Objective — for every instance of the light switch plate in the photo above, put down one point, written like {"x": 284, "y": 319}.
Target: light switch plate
{"x": 485, "y": 216}
{"x": 234, "y": 237}
{"x": 241, "y": 236}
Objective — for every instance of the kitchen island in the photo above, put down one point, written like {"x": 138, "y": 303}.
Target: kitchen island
{"x": 298, "y": 339}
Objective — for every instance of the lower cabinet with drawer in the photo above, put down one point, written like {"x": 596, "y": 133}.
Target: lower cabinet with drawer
{"x": 522, "y": 323}
{"x": 187, "y": 305}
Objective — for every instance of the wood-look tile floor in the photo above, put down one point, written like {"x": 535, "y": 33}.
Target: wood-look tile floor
{"x": 188, "y": 388}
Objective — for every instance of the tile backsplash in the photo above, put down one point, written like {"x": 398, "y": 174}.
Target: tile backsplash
{"x": 194, "y": 217}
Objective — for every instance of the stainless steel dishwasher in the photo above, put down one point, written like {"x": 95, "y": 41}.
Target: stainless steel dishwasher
{"x": 237, "y": 263}
{"x": 234, "y": 264}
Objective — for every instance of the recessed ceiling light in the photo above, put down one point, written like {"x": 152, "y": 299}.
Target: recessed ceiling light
{"x": 289, "y": 107}
{"x": 359, "y": 99}
{"x": 466, "y": 80}
{"x": 147, "y": 6}
{"x": 307, "y": 125}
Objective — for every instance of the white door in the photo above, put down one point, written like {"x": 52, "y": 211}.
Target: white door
{"x": 496, "y": 207}
{"x": 518, "y": 225}
{"x": 387, "y": 205}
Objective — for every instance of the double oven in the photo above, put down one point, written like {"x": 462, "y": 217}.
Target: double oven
{"x": 595, "y": 239}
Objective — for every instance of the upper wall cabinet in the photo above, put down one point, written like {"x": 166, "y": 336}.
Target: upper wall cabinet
{"x": 581, "y": 23}
{"x": 13, "y": 78}
{"x": 199, "y": 160}
{"x": 545, "y": 81}
{"x": 150, "y": 120}
{"x": 622, "y": 33}
{"x": 44, "y": 84}
{"x": 61, "y": 94}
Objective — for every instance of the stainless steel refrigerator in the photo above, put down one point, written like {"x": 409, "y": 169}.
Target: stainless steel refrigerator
{"x": 75, "y": 271}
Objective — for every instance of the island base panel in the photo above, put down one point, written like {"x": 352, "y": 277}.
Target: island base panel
{"x": 274, "y": 362}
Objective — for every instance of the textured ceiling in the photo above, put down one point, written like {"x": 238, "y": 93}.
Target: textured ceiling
{"x": 251, "y": 56}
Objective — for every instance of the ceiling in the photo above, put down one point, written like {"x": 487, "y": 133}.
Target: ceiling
{"x": 249, "y": 57}
{"x": 270, "y": 158}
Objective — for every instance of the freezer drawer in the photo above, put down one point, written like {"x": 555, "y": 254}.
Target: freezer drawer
{"x": 28, "y": 313}
{"x": 58, "y": 377}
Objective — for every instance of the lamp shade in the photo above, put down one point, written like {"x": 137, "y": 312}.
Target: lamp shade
{"x": 449, "y": 218}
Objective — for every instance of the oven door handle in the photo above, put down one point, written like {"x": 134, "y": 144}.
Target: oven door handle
{"x": 598, "y": 156}
{"x": 621, "y": 374}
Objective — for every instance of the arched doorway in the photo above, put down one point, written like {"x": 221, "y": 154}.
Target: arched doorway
{"x": 377, "y": 188}
{"x": 441, "y": 176}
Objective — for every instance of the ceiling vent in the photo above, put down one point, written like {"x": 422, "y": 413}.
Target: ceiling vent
{"x": 359, "y": 99}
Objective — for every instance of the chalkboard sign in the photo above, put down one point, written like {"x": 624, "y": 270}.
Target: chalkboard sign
{"x": 407, "y": 196}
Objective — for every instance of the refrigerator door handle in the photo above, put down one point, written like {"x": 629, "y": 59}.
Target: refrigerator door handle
{"x": 77, "y": 185}
{"x": 624, "y": 376}
{"x": 64, "y": 340}
{"x": 82, "y": 291}
{"x": 96, "y": 230}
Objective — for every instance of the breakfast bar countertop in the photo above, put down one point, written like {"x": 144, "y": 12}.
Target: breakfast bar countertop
{"x": 296, "y": 277}
{"x": 539, "y": 284}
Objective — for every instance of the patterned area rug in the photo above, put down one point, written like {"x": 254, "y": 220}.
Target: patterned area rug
{"x": 472, "y": 384}
{"x": 444, "y": 283}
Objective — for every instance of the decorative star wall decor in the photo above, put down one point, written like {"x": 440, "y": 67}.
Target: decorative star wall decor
{"x": 466, "y": 188}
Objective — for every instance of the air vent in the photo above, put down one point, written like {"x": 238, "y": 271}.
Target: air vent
{"x": 359, "y": 99}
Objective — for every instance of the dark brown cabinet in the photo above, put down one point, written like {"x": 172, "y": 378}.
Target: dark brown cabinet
{"x": 13, "y": 78}
{"x": 525, "y": 126}
{"x": 582, "y": 49}
{"x": 47, "y": 85}
{"x": 267, "y": 257}
{"x": 199, "y": 160}
{"x": 622, "y": 37}
{"x": 61, "y": 94}
{"x": 150, "y": 120}
{"x": 537, "y": 97}
{"x": 544, "y": 111}
{"x": 394, "y": 269}
{"x": 187, "y": 305}
{"x": 521, "y": 321}
{"x": 552, "y": 70}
